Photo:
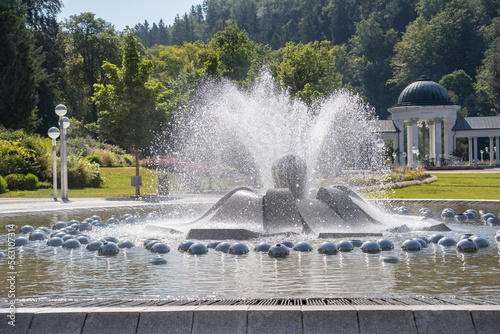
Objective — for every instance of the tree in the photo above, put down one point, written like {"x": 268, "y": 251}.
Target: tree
{"x": 19, "y": 69}
{"x": 89, "y": 42}
{"x": 460, "y": 87}
{"x": 132, "y": 107}
{"x": 235, "y": 52}
{"x": 309, "y": 66}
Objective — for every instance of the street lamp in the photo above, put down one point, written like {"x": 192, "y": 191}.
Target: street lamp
{"x": 414, "y": 150}
{"x": 61, "y": 110}
{"x": 481, "y": 155}
{"x": 54, "y": 134}
{"x": 394, "y": 155}
{"x": 404, "y": 158}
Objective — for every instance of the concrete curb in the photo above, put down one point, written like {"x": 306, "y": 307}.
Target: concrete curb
{"x": 371, "y": 319}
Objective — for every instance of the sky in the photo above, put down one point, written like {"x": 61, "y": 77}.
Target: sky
{"x": 121, "y": 13}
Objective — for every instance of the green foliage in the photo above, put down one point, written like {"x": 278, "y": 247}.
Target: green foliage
{"x": 19, "y": 68}
{"x": 3, "y": 185}
{"x": 18, "y": 181}
{"x": 30, "y": 182}
{"x": 95, "y": 158}
{"x": 311, "y": 64}
{"x": 17, "y": 158}
{"x": 83, "y": 173}
{"x": 460, "y": 87}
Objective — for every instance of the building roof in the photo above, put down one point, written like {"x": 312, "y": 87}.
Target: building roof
{"x": 477, "y": 123}
{"x": 386, "y": 126}
{"x": 423, "y": 92}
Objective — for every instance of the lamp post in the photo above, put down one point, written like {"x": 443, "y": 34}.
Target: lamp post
{"x": 63, "y": 125}
{"x": 414, "y": 150}
{"x": 394, "y": 155}
{"x": 54, "y": 134}
{"x": 481, "y": 155}
{"x": 404, "y": 158}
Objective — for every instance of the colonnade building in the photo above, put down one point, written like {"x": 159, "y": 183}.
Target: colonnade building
{"x": 424, "y": 104}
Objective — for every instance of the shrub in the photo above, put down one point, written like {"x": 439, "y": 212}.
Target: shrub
{"x": 3, "y": 185}
{"x": 29, "y": 182}
{"x": 96, "y": 158}
{"x": 128, "y": 160}
{"x": 17, "y": 158}
{"x": 14, "y": 181}
{"x": 107, "y": 157}
{"x": 83, "y": 173}
{"x": 44, "y": 185}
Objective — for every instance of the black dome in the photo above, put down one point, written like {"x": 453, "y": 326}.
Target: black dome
{"x": 424, "y": 92}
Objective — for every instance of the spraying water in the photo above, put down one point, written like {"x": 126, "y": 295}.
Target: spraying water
{"x": 248, "y": 129}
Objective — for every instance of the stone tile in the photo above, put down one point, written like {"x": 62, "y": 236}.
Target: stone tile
{"x": 325, "y": 319}
{"x": 486, "y": 321}
{"x": 110, "y": 321}
{"x": 51, "y": 321}
{"x": 444, "y": 321}
{"x": 174, "y": 320}
{"x": 374, "y": 319}
{"x": 220, "y": 319}
{"x": 282, "y": 319}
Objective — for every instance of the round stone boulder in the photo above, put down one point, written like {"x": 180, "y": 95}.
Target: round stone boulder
{"x": 112, "y": 221}
{"x": 481, "y": 242}
{"x": 493, "y": 221}
{"x": 67, "y": 237}
{"x": 461, "y": 217}
{"x": 467, "y": 245}
{"x": 109, "y": 248}
{"x": 447, "y": 242}
{"x": 147, "y": 241}
{"x": 59, "y": 225}
{"x": 356, "y": 242}
{"x": 345, "y": 246}
{"x": 126, "y": 244}
{"x": 389, "y": 259}
{"x": 213, "y": 244}
{"x": 411, "y": 246}
{"x": 328, "y": 248}
{"x": 371, "y": 247}
{"x": 110, "y": 239}
{"x": 422, "y": 242}
{"x": 262, "y": 247}
{"x": 448, "y": 214}
{"x": 278, "y": 250}
{"x": 34, "y": 236}
{"x": 302, "y": 247}
{"x": 288, "y": 244}
{"x": 197, "y": 249}
{"x": 158, "y": 261}
{"x": 487, "y": 216}
{"x": 84, "y": 240}
{"x": 238, "y": 249}
{"x": 471, "y": 214}
{"x": 403, "y": 211}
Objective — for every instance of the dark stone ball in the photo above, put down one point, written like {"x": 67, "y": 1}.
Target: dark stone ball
{"x": 67, "y": 237}
{"x": 160, "y": 248}
{"x": 112, "y": 221}
{"x": 83, "y": 240}
{"x": 288, "y": 244}
{"x": 184, "y": 246}
{"x": 238, "y": 249}
{"x": 84, "y": 227}
{"x": 197, "y": 249}
{"x": 302, "y": 247}
{"x": 328, "y": 248}
{"x": 109, "y": 248}
{"x": 471, "y": 214}
{"x": 126, "y": 244}
{"x": 278, "y": 250}
{"x": 385, "y": 244}
{"x": 493, "y": 221}
{"x": 389, "y": 259}
{"x": 467, "y": 245}
{"x": 371, "y": 247}
{"x": 356, "y": 243}
{"x": 94, "y": 245}
{"x": 213, "y": 244}
{"x": 422, "y": 242}
{"x": 403, "y": 211}
{"x": 262, "y": 247}
{"x": 223, "y": 247}
{"x": 21, "y": 241}
{"x": 55, "y": 242}
{"x": 411, "y": 245}
{"x": 461, "y": 218}
{"x": 152, "y": 243}
{"x": 71, "y": 231}
{"x": 147, "y": 241}
{"x": 37, "y": 236}
{"x": 435, "y": 237}
{"x": 481, "y": 242}
{"x": 71, "y": 243}
{"x": 26, "y": 229}
{"x": 447, "y": 241}
{"x": 158, "y": 261}
{"x": 447, "y": 214}
{"x": 96, "y": 218}
{"x": 59, "y": 225}
{"x": 487, "y": 216}
{"x": 110, "y": 239}
{"x": 345, "y": 246}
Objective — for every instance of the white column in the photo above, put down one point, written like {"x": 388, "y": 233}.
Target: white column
{"x": 401, "y": 141}
{"x": 492, "y": 154}
{"x": 409, "y": 141}
{"x": 448, "y": 137}
{"x": 475, "y": 151}
{"x": 432, "y": 140}
{"x": 498, "y": 149}
{"x": 469, "y": 148}
{"x": 437, "y": 139}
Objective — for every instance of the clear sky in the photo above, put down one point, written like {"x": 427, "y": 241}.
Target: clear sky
{"x": 128, "y": 12}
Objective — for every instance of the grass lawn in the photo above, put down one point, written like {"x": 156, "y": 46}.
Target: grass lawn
{"x": 455, "y": 186}
{"x": 448, "y": 186}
